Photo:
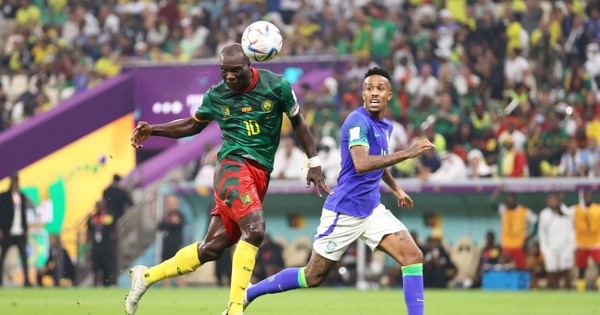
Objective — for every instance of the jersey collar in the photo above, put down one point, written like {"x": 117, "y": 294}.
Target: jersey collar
{"x": 254, "y": 81}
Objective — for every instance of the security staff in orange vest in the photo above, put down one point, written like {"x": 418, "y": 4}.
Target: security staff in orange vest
{"x": 518, "y": 225}
{"x": 587, "y": 236}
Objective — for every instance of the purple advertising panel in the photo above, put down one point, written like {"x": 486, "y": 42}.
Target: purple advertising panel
{"x": 166, "y": 93}
{"x": 72, "y": 119}
{"x": 176, "y": 155}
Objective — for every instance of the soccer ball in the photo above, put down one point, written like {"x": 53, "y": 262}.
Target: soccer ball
{"x": 261, "y": 41}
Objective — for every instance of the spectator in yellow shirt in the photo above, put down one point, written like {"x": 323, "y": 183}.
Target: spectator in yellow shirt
{"x": 593, "y": 129}
{"x": 44, "y": 52}
{"x": 178, "y": 55}
{"x": 107, "y": 66}
{"x": 28, "y": 15}
{"x": 513, "y": 30}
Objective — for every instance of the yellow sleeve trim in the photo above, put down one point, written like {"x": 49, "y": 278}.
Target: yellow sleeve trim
{"x": 364, "y": 144}
{"x": 200, "y": 120}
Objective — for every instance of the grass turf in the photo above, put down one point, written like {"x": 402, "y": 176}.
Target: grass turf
{"x": 197, "y": 301}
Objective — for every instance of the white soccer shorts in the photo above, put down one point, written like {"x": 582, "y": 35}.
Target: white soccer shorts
{"x": 337, "y": 231}
{"x": 559, "y": 259}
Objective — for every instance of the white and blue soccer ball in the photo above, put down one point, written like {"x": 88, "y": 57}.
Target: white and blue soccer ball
{"x": 261, "y": 41}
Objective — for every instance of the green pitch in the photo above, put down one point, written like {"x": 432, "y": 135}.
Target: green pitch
{"x": 200, "y": 301}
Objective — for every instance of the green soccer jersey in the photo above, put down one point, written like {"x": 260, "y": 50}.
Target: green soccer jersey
{"x": 250, "y": 121}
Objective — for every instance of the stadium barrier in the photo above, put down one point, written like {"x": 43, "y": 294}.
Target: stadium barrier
{"x": 508, "y": 280}
{"x": 459, "y": 209}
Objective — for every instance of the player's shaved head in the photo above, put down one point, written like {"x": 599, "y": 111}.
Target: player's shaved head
{"x": 233, "y": 52}
{"x": 588, "y": 195}
{"x": 235, "y": 67}
{"x": 510, "y": 199}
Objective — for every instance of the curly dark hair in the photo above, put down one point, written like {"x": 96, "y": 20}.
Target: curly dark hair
{"x": 378, "y": 71}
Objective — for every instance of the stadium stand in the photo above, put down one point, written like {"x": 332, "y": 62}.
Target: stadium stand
{"x": 508, "y": 88}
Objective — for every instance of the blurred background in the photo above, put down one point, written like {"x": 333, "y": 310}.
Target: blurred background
{"x": 507, "y": 90}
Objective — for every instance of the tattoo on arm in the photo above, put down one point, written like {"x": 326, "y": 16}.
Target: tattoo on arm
{"x": 363, "y": 162}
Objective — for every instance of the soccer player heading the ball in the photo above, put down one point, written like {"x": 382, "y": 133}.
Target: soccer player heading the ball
{"x": 354, "y": 210}
{"x": 248, "y": 105}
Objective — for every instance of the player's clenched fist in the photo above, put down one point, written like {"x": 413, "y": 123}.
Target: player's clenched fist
{"x": 421, "y": 146}
{"x": 140, "y": 133}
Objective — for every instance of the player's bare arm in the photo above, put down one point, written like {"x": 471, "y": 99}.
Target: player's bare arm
{"x": 307, "y": 142}
{"x": 175, "y": 129}
{"x": 404, "y": 200}
{"x": 363, "y": 162}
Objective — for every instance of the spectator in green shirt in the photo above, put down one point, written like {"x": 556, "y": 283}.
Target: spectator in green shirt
{"x": 382, "y": 30}
{"x": 447, "y": 117}
{"x": 553, "y": 142}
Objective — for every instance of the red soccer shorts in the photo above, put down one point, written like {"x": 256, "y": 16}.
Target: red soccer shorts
{"x": 517, "y": 255}
{"x": 582, "y": 255}
{"x": 240, "y": 186}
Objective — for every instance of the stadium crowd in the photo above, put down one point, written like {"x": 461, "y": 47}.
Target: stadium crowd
{"x": 504, "y": 88}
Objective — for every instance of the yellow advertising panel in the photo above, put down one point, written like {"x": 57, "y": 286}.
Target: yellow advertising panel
{"x": 66, "y": 184}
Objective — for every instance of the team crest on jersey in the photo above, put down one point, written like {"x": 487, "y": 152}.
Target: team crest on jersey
{"x": 226, "y": 112}
{"x": 331, "y": 246}
{"x": 246, "y": 199}
{"x": 267, "y": 106}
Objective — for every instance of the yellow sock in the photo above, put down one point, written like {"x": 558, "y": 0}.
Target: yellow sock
{"x": 185, "y": 261}
{"x": 580, "y": 284}
{"x": 243, "y": 265}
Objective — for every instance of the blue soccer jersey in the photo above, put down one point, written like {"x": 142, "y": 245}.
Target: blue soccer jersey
{"x": 358, "y": 194}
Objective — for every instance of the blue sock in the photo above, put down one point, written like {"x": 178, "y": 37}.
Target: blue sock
{"x": 285, "y": 280}
{"x": 412, "y": 276}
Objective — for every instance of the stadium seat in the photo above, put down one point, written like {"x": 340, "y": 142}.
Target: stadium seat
{"x": 9, "y": 43}
{"x": 31, "y": 81}
{"x": 377, "y": 265}
{"x": 282, "y": 241}
{"x": 5, "y": 81}
{"x": 53, "y": 95}
{"x": 66, "y": 93}
{"x": 296, "y": 253}
{"x": 17, "y": 114}
{"x": 465, "y": 256}
{"x": 18, "y": 85}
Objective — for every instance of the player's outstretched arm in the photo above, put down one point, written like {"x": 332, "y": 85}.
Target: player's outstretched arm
{"x": 364, "y": 163}
{"x": 307, "y": 142}
{"x": 175, "y": 129}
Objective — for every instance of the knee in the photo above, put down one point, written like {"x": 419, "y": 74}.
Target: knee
{"x": 315, "y": 279}
{"x": 209, "y": 251}
{"x": 413, "y": 256}
{"x": 254, "y": 234}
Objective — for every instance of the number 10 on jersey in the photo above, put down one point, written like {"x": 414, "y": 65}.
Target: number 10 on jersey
{"x": 252, "y": 127}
